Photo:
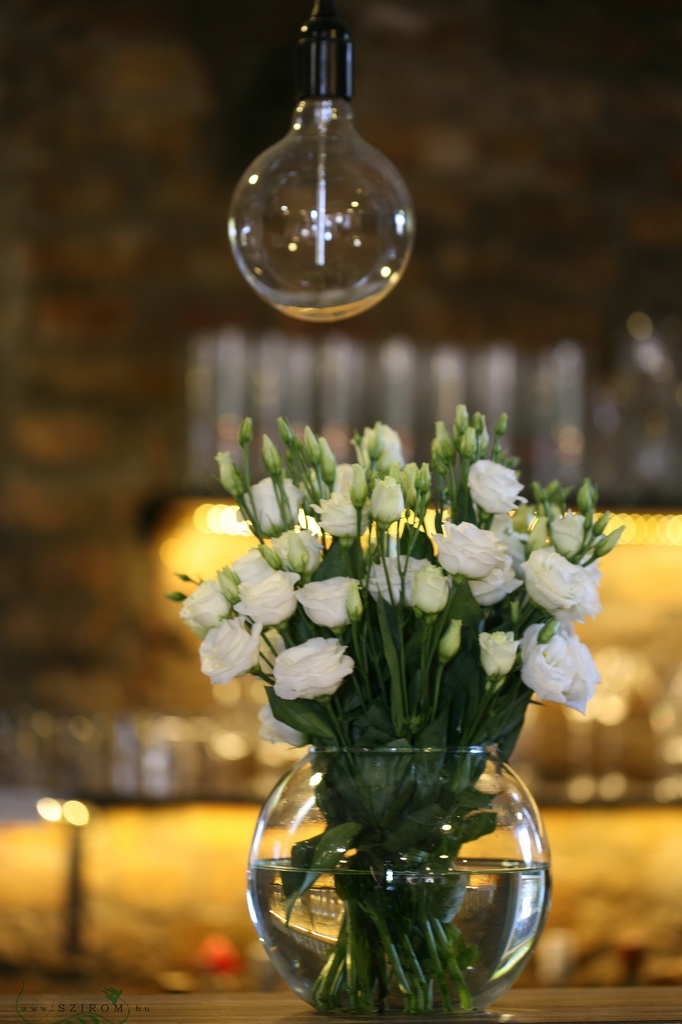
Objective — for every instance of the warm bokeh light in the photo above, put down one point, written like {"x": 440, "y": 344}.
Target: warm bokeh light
{"x": 49, "y": 809}
{"x": 75, "y": 812}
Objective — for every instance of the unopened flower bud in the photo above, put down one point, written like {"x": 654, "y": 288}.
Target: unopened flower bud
{"x": 230, "y": 477}
{"x": 537, "y": 538}
{"x": 387, "y": 503}
{"x": 445, "y": 442}
{"x": 272, "y": 460}
{"x": 285, "y": 431}
{"x": 461, "y": 418}
{"x": 587, "y": 497}
{"x": 270, "y": 556}
{"x": 374, "y": 445}
{"x": 327, "y": 462}
{"x": 354, "y": 602}
{"x": 451, "y": 641}
{"x": 608, "y": 542}
{"x": 601, "y": 523}
{"x": 246, "y": 431}
{"x": 548, "y": 631}
{"x": 408, "y": 482}
{"x": 501, "y": 425}
{"x": 298, "y": 554}
{"x": 481, "y": 428}
{"x": 311, "y": 446}
{"x": 228, "y": 581}
{"x": 358, "y": 486}
{"x": 436, "y": 460}
{"x": 468, "y": 445}
{"x": 423, "y": 481}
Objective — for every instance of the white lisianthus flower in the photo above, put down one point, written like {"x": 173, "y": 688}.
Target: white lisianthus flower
{"x": 493, "y": 487}
{"x": 325, "y": 601}
{"x": 498, "y": 653}
{"x": 229, "y": 649}
{"x": 430, "y": 589}
{"x": 205, "y": 607}
{"x": 386, "y": 578}
{"x": 465, "y": 549}
{"x": 561, "y": 670}
{"x": 567, "y": 534}
{"x": 312, "y": 669}
{"x": 387, "y": 503}
{"x": 343, "y": 478}
{"x": 502, "y": 525}
{"x": 252, "y": 567}
{"x": 381, "y": 443}
{"x": 566, "y": 591}
{"x": 264, "y": 497}
{"x": 271, "y": 601}
{"x": 271, "y": 644}
{"x": 299, "y": 551}
{"x": 339, "y": 517}
{"x": 274, "y": 731}
{"x": 496, "y": 585}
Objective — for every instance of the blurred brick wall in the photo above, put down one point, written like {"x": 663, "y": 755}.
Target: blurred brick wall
{"x": 543, "y": 147}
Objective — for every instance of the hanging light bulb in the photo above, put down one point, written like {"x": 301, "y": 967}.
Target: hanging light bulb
{"x": 321, "y": 223}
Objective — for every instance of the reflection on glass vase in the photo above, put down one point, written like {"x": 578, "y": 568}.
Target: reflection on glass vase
{"x": 399, "y": 880}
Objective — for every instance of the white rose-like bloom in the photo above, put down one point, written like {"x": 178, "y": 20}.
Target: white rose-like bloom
{"x": 385, "y": 579}
{"x": 566, "y": 591}
{"x": 270, "y": 645}
{"x": 312, "y": 669}
{"x": 561, "y": 670}
{"x": 205, "y": 607}
{"x": 339, "y": 517}
{"x": 299, "y": 550}
{"x": 325, "y": 601}
{"x": 274, "y": 731}
{"x": 389, "y": 444}
{"x": 271, "y": 601}
{"x": 267, "y": 507}
{"x": 498, "y": 653}
{"x": 568, "y": 533}
{"x": 430, "y": 589}
{"x": 502, "y": 525}
{"x": 252, "y": 567}
{"x": 387, "y": 503}
{"x": 229, "y": 650}
{"x": 493, "y": 487}
{"x": 344, "y": 477}
{"x": 496, "y": 585}
{"x": 466, "y": 549}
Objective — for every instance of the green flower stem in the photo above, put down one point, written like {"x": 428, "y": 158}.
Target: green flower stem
{"x": 454, "y": 968}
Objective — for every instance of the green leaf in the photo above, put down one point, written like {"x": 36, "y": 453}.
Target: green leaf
{"x": 175, "y": 595}
{"x": 302, "y": 714}
{"x": 463, "y": 605}
{"x": 328, "y": 849}
{"x": 393, "y": 661}
{"x": 333, "y": 564}
{"x": 417, "y": 542}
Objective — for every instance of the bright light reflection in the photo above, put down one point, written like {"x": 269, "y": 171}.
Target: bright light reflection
{"x": 49, "y": 809}
{"x": 75, "y": 812}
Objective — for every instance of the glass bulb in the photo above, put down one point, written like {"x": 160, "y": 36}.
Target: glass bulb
{"x": 321, "y": 223}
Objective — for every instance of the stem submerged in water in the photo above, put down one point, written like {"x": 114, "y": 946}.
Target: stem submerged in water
{"x": 394, "y": 951}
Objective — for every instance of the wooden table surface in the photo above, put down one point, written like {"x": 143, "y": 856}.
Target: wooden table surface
{"x": 520, "y": 1006}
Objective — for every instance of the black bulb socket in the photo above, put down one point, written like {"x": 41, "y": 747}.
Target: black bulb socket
{"x": 324, "y": 65}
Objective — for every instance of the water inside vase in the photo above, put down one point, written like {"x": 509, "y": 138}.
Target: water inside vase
{"x": 499, "y": 906}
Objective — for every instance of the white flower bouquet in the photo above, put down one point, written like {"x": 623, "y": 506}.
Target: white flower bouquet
{"x": 399, "y": 607}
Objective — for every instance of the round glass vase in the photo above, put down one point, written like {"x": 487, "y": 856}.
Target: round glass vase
{"x": 399, "y": 880}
